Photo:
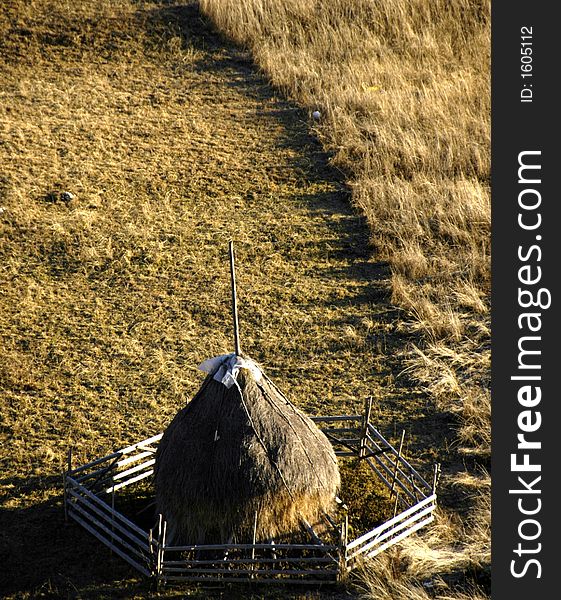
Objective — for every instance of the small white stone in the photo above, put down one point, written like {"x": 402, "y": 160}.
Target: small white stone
{"x": 66, "y": 196}
{"x": 316, "y": 114}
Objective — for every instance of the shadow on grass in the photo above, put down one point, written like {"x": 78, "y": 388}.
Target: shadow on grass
{"x": 45, "y": 556}
{"x": 42, "y": 555}
{"x": 431, "y": 432}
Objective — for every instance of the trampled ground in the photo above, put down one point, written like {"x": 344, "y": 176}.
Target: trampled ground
{"x": 171, "y": 144}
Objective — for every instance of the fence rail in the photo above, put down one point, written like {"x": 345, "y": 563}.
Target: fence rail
{"x": 89, "y": 499}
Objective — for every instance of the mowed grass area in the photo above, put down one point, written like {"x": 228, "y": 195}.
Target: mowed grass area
{"x": 172, "y": 144}
{"x": 403, "y": 92}
{"x": 403, "y": 88}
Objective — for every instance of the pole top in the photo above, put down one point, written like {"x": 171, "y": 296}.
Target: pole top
{"x": 234, "y": 299}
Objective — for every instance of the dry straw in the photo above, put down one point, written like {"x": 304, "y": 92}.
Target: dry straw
{"x": 234, "y": 453}
{"x": 242, "y": 462}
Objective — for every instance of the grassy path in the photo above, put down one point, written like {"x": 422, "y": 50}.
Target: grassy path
{"x": 171, "y": 144}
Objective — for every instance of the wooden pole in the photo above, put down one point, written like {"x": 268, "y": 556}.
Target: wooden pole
{"x": 234, "y": 300}
{"x": 112, "y": 511}
{"x": 397, "y": 459}
{"x": 151, "y": 550}
{"x": 435, "y": 477}
{"x": 254, "y": 536}
{"x": 64, "y": 474}
{"x": 395, "y": 504}
{"x": 343, "y": 542}
{"x": 253, "y": 566}
{"x": 160, "y": 552}
{"x": 273, "y": 549}
{"x": 365, "y": 423}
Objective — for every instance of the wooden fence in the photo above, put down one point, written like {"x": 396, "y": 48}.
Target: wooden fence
{"x": 89, "y": 499}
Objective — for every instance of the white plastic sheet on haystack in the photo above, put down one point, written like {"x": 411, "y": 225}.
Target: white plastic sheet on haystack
{"x": 227, "y": 366}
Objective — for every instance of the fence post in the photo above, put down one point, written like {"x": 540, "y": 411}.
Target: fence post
{"x": 64, "y": 474}
{"x": 397, "y": 459}
{"x": 436, "y": 477}
{"x": 343, "y": 541}
{"x": 159, "y": 552}
{"x": 365, "y": 423}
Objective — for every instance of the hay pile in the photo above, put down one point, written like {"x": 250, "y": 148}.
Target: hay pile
{"x": 236, "y": 452}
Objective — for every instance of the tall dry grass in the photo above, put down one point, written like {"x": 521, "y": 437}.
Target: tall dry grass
{"x": 171, "y": 144}
{"x": 403, "y": 92}
{"x": 107, "y": 302}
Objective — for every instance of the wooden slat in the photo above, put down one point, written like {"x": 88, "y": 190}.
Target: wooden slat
{"x": 105, "y": 541}
{"x": 248, "y": 561}
{"x": 386, "y": 481}
{"x": 127, "y": 450}
{"x": 131, "y": 459}
{"x": 394, "y": 520}
{"x": 93, "y": 464}
{"x": 129, "y": 481}
{"x": 397, "y": 459}
{"x": 349, "y": 441}
{"x": 403, "y": 469}
{"x": 221, "y": 579}
{"x": 110, "y": 518}
{"x": 276, "y": 547}
{"x": 82, "y": 490}
{"x": 401, "y": 536}
{"x": 415, "y": 490}
{"x": 391, "y": 532}
{"x": 134, "y": 469}
{"x": 339, "y": 430}
{"x": 254, "y": 572}
{"x": 394, "y": 451}
{"x": 406, "y": 471}
{"x": 116, "y": 465}
{"x": 146, "y": 442}
{"x": 310, "y": 531}
{"x": 112, "y": 535}
{"x": 336, "y": 418}
{"x": 98, "y": 472}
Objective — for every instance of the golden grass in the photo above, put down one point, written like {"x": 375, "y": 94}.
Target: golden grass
{"x": 436, "y": 564}
{"x": 367, "y": 499}
{"x": 403, "y": 92}
{"x": 171, "y": 145}
{"x": 403, "y": 89}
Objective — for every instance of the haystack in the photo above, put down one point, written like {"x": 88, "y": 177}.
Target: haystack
{"x": 240, "y": 461}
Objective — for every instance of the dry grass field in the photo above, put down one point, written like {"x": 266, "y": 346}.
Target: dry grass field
{"x": 403, "y": 92}
{"x": 362, "y": 249}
